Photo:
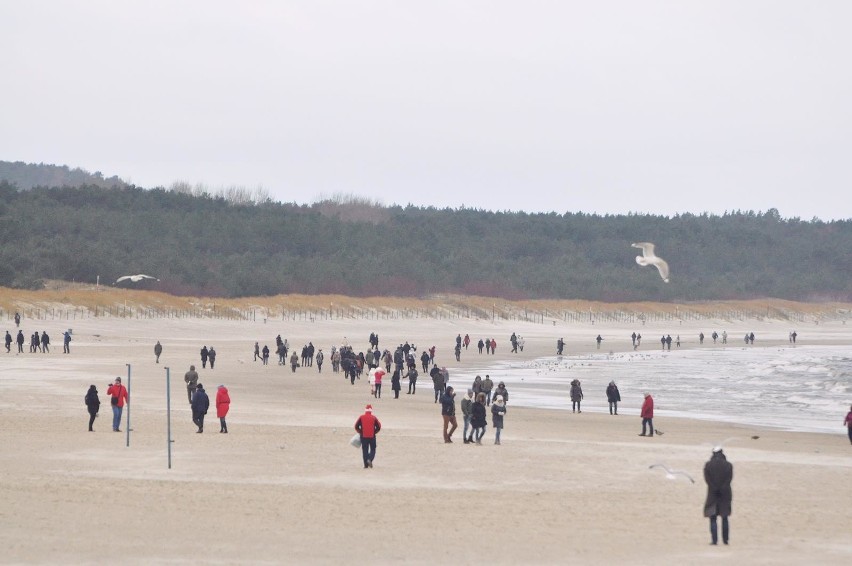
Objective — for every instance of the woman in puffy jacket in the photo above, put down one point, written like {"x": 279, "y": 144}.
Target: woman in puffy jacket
{"x": 477, "y": 419}
{"x": 223, "y": 403}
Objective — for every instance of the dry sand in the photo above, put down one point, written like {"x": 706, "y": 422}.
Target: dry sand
{"x": 285, "y": 486}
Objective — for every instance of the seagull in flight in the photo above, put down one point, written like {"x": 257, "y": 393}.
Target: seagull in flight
{"x": 671, "y": 474}
{"x": 135, "y": 278}
{"x": 648, "y": 258}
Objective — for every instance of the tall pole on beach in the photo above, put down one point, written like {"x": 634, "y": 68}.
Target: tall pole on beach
{"x": 127, "y": 426}
{"x": 169, "y": 416}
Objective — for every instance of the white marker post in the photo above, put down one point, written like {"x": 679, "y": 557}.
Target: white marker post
{"x": 169, "y": 416}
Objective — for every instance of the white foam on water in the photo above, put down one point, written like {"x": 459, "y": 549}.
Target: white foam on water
{"x": 802, "y": 388}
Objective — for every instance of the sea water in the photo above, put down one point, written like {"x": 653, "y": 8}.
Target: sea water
{"x": 800, "y": 388}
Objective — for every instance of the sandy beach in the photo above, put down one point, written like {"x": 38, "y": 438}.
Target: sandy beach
{"x": 285, "y": 486}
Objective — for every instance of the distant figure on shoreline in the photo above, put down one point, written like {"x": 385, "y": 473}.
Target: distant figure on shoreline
{"x": 158, "y": 349}
{"x": 599, "y": 339}
{"x": 560, "y": 345}
{"x": 613, "y": 397}
{"x": 66, "y": 342}
{"x": 576, "y": 396}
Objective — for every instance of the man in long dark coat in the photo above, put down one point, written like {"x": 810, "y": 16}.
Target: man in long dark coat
{"x": 718, "y": 473}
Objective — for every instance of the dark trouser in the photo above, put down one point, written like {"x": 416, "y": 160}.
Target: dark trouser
{"x": 412, "y": 387}
{"x": 476, "y": 434}
{"x": 575, "y": 405}
{"x": 92, "y": 418}
{"x": 650, "y": 423}
{"x": 189, "y": 392}
{"x": 850, "y": 433}
{"x": 713, "y": 533}
{"x": 487, "y": 397}
{"x": 613, "y": 407}
{"x": 204, "y": 363}
{"x": 223, "y": 426}
{"x": 449, "y": 420}
{"x": 437, "y": 394}
{"x": 396, "y": 393}
{"x": 368, "y": 450}
{"x": 378, "y": 391}
{"x": 198, "y": 419}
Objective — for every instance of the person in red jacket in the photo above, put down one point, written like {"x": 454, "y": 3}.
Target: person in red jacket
{"x": 647, "y": 415}
{"x": 223, "y": 403}
{"x": 118, "y": 397}
{"x": 368, "y": 426}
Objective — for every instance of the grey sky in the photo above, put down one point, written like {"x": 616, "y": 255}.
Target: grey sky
{"x": 605, "y": 106}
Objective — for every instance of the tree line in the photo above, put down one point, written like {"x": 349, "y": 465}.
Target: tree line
{"x": 206, "y": 245}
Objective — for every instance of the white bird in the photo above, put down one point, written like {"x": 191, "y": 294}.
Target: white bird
{"x": 135, "y": 278}
{"x": 672, "y": 474}
{"x": 648, "y": 258}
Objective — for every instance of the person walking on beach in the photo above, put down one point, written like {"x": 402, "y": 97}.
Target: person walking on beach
{"x": 477, "y": 419}
{"x": 368, "y": 426}
{"x": 118, "y": 398}
{"x": 487, "y": 386}
{"x": 466, "y": 406}
{"x": 599, "y": 339}
{"x": 204, "y": 354}
{"x": 191, "y": 379}
{"x": 294, "y": 362}
{"x": 437, "y": 381}
{"x": 66, "y": 342}
{"x": 576, "y": 396}
{"x": 320, "y": 360}
{"x": 17, "y": 319}
{"x": 200, "y": 404}
{"x": 377, "y": 382}
{"x": 158, "y": 349}
{"x": 93, "y": 405}
{"x": 613, "y": 397}
{"x": 501, "y": 391}
{"x": 8, "y": 342}
{"x": 45, "y": 342}
{"x": 256, "y": 350}
{"x": 493, "y": 346}
{"x": 448, "y": 412}
{"x": 718, "y": 473}
{"x": 466, "y": 341}
{"x": 223, "y": 404}
{"x": 20, "y": 341}
{"x": 395, "y": 385}
{"x": 480, "y": 345}
{"x": 560, "y": 345}
{"x": 211, "y": 355}
{"x": 647, "y": 414}
{"x": 498, "y": 410}
{"x": 412, "y": 381}
{"x": 265, "y": 355}
{"x": 848, "y": 423}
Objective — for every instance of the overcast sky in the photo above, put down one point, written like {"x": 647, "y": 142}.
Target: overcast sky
{"x": 595, "y": 106}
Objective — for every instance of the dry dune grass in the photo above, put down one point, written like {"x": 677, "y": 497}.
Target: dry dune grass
{"x": 64, "y": 295}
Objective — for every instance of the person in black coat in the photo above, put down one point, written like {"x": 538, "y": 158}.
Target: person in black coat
{"x": 718, "y": 473}
{"x": 395, "y": 386}
{"x": 204, "y": 354}
{"x": 93, "y": 404}
{"x": 613, "y": 396}
{"x": 477, "y": 419}
{"x": 200, "y": 404}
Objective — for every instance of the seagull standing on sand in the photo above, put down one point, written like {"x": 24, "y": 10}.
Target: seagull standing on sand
{"x": 135, "y": 278}
{"x": 671, "y": 474}
{"x": 648, "y": 258}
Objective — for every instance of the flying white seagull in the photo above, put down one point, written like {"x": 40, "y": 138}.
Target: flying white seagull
{"x": 648, "y": 258}
{"x": 135, "y": 278}
{"x": 671, "y": 474}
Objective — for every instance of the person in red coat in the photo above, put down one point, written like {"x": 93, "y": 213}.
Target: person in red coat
{"x": 368, "y": 426}
{"x": 223, "y": 403}
{"x": 118, "y": 397}
{"x": 647, "y": 415}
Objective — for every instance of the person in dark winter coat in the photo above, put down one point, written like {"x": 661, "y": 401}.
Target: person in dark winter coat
{"x": 45, "y": 342}
{"x": 412, "y": 381}
{"x": 448, "y": 412}
{"x": 191, "y": 379}
{"x": 20, "y": 341}
{"x": 613, "y": 397}
{"x": 718, "y": 473}
{"x": 437, "y": 381}
{"x": 477, "y": 419}
{"x": 204, "y": 354}
{"x": 501, "y": 391}
{"x": 576, "y": 396}
{"x": 200, "y": 404}
{"x": 93, "y": 404}
{"x": 211, "y": 355}
{"x": 8, "y": 341}
{"x": 395, "y": 386}
{"x": 158, "y": 349}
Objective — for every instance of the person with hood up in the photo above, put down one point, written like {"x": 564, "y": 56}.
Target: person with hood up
{"x": 158, "y": 349}
{"x": 223, "y": 403}
{"x": 477, "y": 419}
{"x": 8, "y": 341}
{"x": 211, "y": 355}
{"x": 412, "y": 381}
{"x": 576, "y": 396}
{"x": 647, "y": 414}
{"x": 395, "y": 385}
{"x": 501, "y": 391}
{"x": 368, "y": 426}
{"x": 613, "y": 397}
{"x": 118, "y": 398}
{"x": 204, "y": 354}
{"x": 93, "y": 404}
{"x": 718, "y": 473}
{"x": 200, "y": 404}
{"x": 498, "y": 410}
{"x": 448, "y": 412}
{"x": 437, "y": 381}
